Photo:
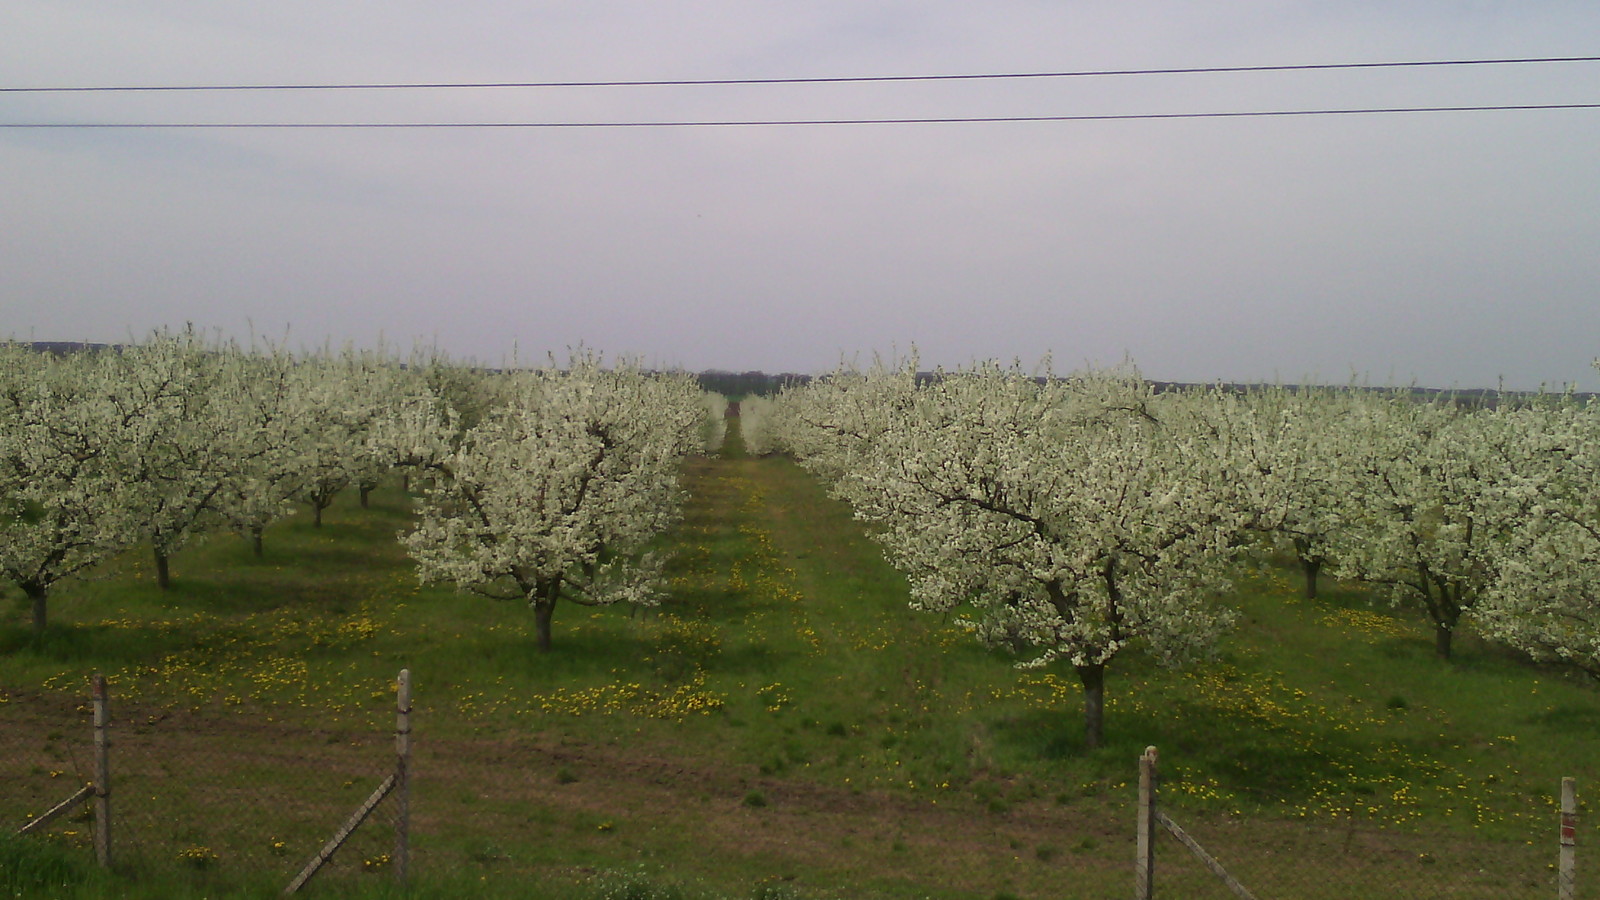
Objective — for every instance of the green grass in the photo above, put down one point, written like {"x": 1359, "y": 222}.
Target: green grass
{"x": 35, "y": 868}
{"x": 782, "y": 726}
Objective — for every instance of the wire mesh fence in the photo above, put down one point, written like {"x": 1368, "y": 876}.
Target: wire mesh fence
{"x": 1265, "y": 861}
{"x": 45, "y": 759}
{"x": 1375, "y": 864}
{"x": 201, "y": 788}
{"x": 218, "y": 790}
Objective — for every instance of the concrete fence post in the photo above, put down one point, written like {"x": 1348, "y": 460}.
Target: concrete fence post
{"x": 102, "y": 772}
{"x": 402, "y": 743}
{"x": 1566, "y": 876}
{"x": 1145, "y": 864}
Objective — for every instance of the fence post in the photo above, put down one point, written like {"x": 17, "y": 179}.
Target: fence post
{"x": 1566, "y": 881}
{"x": 1145, "y": 865}
{"x": 402, "y": 742}
{"x": 102, "y": 773}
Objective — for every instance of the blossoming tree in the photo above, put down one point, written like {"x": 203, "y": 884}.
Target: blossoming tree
{"x": 1545, "y": 599}
{"x": 557, "y": 493}
{"x": 1426, "y": 512}
{"x": 63, "y": 504}
{"x": 1077, "y": 517}
{"x": 1289, "y": 454}
{"x": 179, "y": 447}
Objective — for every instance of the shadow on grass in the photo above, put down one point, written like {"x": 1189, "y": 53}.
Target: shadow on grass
{"x": 106, "y": 645}
{"x": 724, "y": 606}
{"x": 578, "y": 654}
{"x": 1239, "y": 753}
{"x": 1573, "y": 720}
{"x": 751, "y": 659}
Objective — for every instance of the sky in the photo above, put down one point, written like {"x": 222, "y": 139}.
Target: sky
{"x": 1447, "y": 249}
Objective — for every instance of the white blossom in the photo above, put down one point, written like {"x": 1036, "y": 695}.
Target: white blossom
{"x": 63, "y": 503}
{"x": 1545, "y": 598}
{"x": 558, "y": 493}
{"x": 1425, "y": 509}
{"x": 1076, "y": 517}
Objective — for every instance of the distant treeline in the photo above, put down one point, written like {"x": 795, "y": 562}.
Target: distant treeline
{"x": 748, "y": 384}
{"x": 62, "y": 348}
{"x": 762, "y": 384}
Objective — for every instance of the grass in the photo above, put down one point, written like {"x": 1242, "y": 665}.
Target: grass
{"x": 782, "y": 727}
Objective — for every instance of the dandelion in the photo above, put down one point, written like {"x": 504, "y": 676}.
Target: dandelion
{"x": 197, "y": 857}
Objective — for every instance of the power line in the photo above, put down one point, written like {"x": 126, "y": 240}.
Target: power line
{"x": 854, "y": 79}
{"x": 931, "y": 120}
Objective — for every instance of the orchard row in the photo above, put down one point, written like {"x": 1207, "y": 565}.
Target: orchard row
{"x": 1067, "y": 518}
{"x": 536, "y": 484}
{"x": 1073, "y": 517}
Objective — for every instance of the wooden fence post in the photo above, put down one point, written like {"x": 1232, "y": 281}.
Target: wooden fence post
{"x": 1566, "y": 876}
{"x": 1145, "y": 864}
{"x": 102, "y": 773}
{"x": 402, "y": 742}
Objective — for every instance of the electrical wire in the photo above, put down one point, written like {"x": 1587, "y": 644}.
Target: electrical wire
{"x": 854, "y": 79}
{"x": 930, "y": 120}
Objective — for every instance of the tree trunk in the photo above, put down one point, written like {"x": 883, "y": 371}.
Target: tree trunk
{"x": 365, "y": 492}
{"x": 1442, "y": 635}
{"x": 316, "y": 513}
{"x": 1094, "y": 703}
{"x": 543, "y": 611}
{"x": 38, "y": 594}
{"x": 1310, "y": 564}
{"x": 1311, "y": 568}
{"x": 163, "y": 570}
{"x": 255, "y": 540}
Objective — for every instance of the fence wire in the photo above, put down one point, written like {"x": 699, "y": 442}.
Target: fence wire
{"x": 242, "y": 793}
{"x": 45, "y": 757}
{"x": 207, "y": 788}
{"x": 1374, "y": 864}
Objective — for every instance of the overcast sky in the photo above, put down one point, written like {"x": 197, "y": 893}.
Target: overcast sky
{"x": 1450, "y": 249}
